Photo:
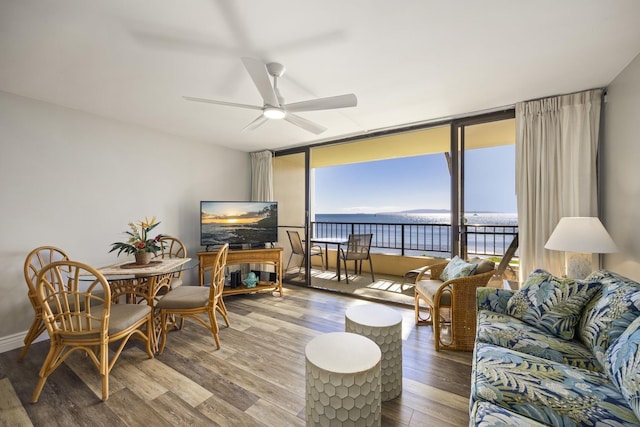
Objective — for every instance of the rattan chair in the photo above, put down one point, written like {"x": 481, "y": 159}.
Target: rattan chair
{"x": 173, "y": 247}
{"x": 35, "y": 261}
{"x": 297, "y": 248}
{"x": 191, "y": 301}
{"x": 78, "y": 314}
{"x": 451, "y": 306}
{"x": 358, "y": 249}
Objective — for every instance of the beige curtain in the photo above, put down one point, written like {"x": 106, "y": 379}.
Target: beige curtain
{"x": 261, "y": 176}
{"x": 556, "y": 151}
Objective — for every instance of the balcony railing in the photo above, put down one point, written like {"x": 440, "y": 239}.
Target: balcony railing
{"x": 422, "y": 239}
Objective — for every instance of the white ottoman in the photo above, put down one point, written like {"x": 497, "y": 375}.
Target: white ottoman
{"x": 383, "y": 325}
{"x": 343, "y": 381}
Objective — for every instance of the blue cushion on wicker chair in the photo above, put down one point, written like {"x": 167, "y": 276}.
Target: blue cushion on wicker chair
{"x": 457, "y": 268}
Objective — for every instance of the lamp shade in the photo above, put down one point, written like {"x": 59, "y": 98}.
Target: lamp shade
{"x": 581, "y": 234}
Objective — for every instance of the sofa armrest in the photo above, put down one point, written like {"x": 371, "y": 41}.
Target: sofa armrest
{"x": 493, "y": 299}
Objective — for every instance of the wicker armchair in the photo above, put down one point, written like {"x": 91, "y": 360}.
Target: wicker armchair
{"x": 451, "y": 305}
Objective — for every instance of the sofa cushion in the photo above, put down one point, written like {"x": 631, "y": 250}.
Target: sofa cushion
{"x": 508, "y": 332}
{"x": 546, "y": 391}
{"x": 623, "y": 363}
{"x": 550, "y": 303}
{"x": 609, "y": 312}
{"x": 494, "y": 299}
{"x": 457, "y": 268}
{"x": 485, "y": 414}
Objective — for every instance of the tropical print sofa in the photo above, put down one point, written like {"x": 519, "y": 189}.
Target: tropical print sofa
{"x": 558, "y": 352}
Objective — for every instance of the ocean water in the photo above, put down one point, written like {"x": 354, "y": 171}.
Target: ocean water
{"x": 488, "y": 233}
{"x": 480, "y": 218}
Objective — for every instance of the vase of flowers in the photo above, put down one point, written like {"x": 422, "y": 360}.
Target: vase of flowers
{"x": 139, "y": 243}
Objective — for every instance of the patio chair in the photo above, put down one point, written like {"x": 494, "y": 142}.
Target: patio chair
{"x": 297, "y": 248}
{"x": 358, "y": 249}
{"x": 451, "y": 304}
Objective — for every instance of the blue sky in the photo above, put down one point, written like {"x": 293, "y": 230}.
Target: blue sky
{"x": 420, "y": 182}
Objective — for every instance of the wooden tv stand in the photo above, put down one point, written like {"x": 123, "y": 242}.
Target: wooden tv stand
{"x": 271, "y": 256}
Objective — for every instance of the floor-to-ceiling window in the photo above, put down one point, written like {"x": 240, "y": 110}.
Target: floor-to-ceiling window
{"x": 415, "y": 176}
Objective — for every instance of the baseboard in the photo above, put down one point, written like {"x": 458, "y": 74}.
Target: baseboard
{"x": 11, "y": 342}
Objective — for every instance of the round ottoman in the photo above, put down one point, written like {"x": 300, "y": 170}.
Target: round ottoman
{"x": 383, "y": 325}
{"x": 343, "y": 381}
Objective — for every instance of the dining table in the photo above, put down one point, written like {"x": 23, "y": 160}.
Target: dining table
{"x": 326, "y": 241}
{"x": 132, "y": 283}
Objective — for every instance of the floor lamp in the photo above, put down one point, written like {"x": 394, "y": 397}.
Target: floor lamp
{"x": 580, "y": 237}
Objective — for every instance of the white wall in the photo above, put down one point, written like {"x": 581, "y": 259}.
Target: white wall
{"x": 75, "y": 180}
{"x": 620, "y": 194}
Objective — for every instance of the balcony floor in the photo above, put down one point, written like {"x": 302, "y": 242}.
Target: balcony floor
{"x": 384, "y": 288}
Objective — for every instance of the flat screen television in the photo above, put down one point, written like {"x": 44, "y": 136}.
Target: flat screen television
{"x": 240, "y": 224}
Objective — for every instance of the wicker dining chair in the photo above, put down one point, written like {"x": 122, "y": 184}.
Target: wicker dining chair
{"x": 451, "y": 304}
{"x": 33, "y": 264}
{"x": 358, "y": 249}
{"x": 191, "y": 301}
{"x": 172, "y": 247}
{"x": 78, "y": 314}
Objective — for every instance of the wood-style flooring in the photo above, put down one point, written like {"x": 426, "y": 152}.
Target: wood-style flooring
{"x": 257, "y": 378}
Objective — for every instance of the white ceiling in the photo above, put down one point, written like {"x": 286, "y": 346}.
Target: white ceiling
{"x": 408, "y": 61}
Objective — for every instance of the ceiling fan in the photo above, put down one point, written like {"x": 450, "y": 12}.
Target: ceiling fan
{"x": 274, "y": 106}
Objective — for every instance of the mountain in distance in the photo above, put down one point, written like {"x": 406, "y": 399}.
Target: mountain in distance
{"x": 427, "y": 211}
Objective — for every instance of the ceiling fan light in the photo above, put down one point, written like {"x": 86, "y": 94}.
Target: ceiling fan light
{"x": 273, "y": 113}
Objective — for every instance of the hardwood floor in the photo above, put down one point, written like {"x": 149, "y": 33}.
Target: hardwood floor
{"x": 257, "y": 378}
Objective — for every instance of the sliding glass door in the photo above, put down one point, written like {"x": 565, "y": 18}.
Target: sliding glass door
{"x": 483, "y": 173}
{"x": 290, "y": 189}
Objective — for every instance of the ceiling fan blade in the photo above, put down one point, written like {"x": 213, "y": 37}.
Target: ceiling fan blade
{"x": 305, "y": 124}
{"x": 260, "y": 76}
{"x": 259, "y": 121}
{"x": 230, "y": 104}
{"x": 340, "y": 101}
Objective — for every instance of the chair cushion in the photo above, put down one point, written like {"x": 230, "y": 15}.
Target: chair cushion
{"x": 121, "y": 317}
{"x": 457, "y": 268}
{"x": 610, "y": 312}
{"x": 428, "y": 288}
{"x": 550, "y": 303}
{"x": 124, "y": 315}
{"x": 484, "y": 265}
{"x": 185, "y": 297}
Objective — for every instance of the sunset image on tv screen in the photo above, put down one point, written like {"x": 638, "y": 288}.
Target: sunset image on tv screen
{"x": 238, "y": 222}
